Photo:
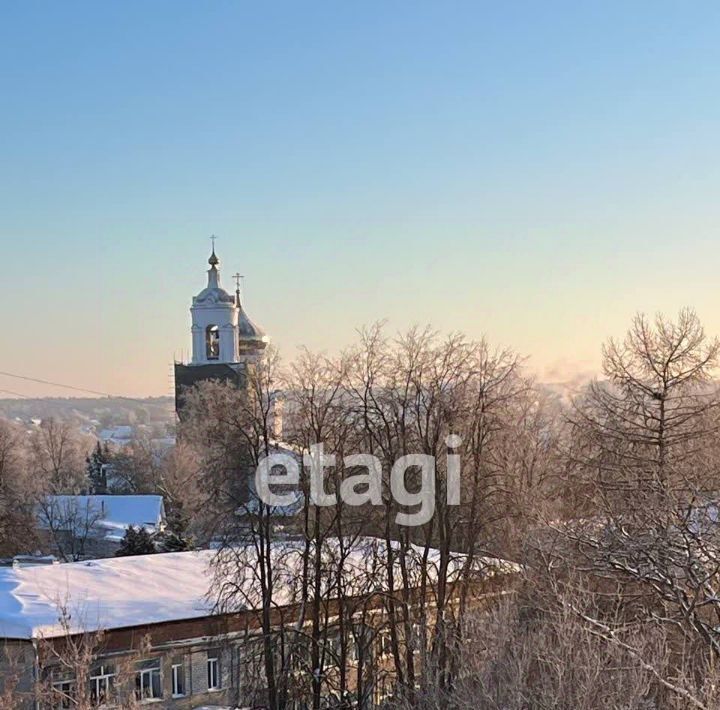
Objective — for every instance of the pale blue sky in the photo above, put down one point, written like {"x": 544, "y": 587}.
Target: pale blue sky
{"x": 534, "y": 171}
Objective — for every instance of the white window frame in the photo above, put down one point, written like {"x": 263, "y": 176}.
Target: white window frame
{"x": 359, "y": 640}
{"x": 66, "y": 690}
{"x": 214, "y": 662}
{"x": 103, "y": 677}
{"x": 180, "y": 665}
{"x": 384, "y": 643}
{"x": 145, "y": 676}
{"x": 333, "y": 648}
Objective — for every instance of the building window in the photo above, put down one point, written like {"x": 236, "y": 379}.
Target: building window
{"x": 253, "y": 659}
{"x": 359, "y": 642}
{"x": 417, "y": 636}
{"x": 213, "y": 670}
{"x": 384, "y": 642}
{"x": 102, "y": 682}
{"x": 212, "y": 342}
{"x": 333, "y": 648}
{"x": 63, "y": 694}
{"x": 148, "y": 684}
{"x": 178, "y": 678}
{"x": 382, "y": 691}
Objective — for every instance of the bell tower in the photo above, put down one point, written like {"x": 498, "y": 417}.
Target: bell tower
{"x": 214, "y": 321}
{"x": 224, "y": 339}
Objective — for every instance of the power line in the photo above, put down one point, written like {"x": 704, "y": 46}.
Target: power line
{"x": 76, "y": 389}
{"x": 55, "y": 384}
{"x": 20, "y": 395}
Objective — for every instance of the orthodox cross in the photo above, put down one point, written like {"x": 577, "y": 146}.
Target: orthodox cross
{"x": 238, "y": 280}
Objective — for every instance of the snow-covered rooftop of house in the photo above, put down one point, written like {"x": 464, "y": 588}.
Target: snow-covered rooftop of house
{"x": 108, "y": 516}
{"x": 118, "y": 435}
{"x": 52, "y": 600}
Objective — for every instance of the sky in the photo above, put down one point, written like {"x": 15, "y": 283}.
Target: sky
{"x": 534, "y": 172}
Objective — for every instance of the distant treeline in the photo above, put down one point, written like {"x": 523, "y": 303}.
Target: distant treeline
{"x": 106, "y": 410}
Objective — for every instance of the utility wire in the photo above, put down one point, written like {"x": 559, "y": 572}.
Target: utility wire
{"x": 77, "y": 389}
{"x": 55, "y": 384}
{"x": 47, "y": 401}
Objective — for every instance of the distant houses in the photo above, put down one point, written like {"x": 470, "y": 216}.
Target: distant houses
{"x": 117, "y": 435}
{"x": 77, "y": 527}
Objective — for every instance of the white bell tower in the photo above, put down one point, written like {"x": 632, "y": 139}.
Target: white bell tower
{"x": 214, "y": 321}
{"x": 225, "y": 342}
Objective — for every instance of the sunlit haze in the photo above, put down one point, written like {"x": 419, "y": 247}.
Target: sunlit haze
{"x": 535, "y": 173}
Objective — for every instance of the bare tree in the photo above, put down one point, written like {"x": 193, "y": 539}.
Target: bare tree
{"x": 411, "y": 395}
{"x": 179, "y": 484}
{"x": 317, "y": 396}
{"x": 18, "y": 489}
{"x": 66, "y": 662}
{"x": 644, "y": 447}
{"x": 545, "y": 648}
{"x": 388, "y": 398}
{"x": 136, "y": 468}
{"x": 71, "y": 522}
{"x": 58, "y": 453}
{"x": 232, "y": 429}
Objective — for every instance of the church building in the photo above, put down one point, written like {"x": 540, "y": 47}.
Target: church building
{"x": 224, "y": 339}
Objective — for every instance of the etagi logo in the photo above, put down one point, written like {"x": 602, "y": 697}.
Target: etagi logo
{"x": 369, "y": 482}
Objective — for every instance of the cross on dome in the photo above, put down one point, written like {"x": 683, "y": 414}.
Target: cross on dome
{"x": 213, "y": 260}
{"x": 238, "y": 280}
{"x": 222, "y": 331}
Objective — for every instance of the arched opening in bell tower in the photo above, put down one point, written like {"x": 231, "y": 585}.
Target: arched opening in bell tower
{"x": 212, "y": 342}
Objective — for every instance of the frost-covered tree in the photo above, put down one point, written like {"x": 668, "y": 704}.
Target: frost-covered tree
{"x": 58, "y": 453}
{"x": 18, "y": 491}
{"x": 644, "y": 455}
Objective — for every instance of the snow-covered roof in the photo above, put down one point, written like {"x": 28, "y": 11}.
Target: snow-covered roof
{"x": 149, "y": 589}
{"x": 103, "y": 594}
{"x": 117, "y": 433}
{"x": 108, "y": 515}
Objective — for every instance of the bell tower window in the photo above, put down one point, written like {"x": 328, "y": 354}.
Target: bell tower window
{"x": 212, "y": 342}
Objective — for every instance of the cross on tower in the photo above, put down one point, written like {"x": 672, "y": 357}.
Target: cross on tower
{"x": 238, "y": 280}
{"x": 212, "y": 239}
